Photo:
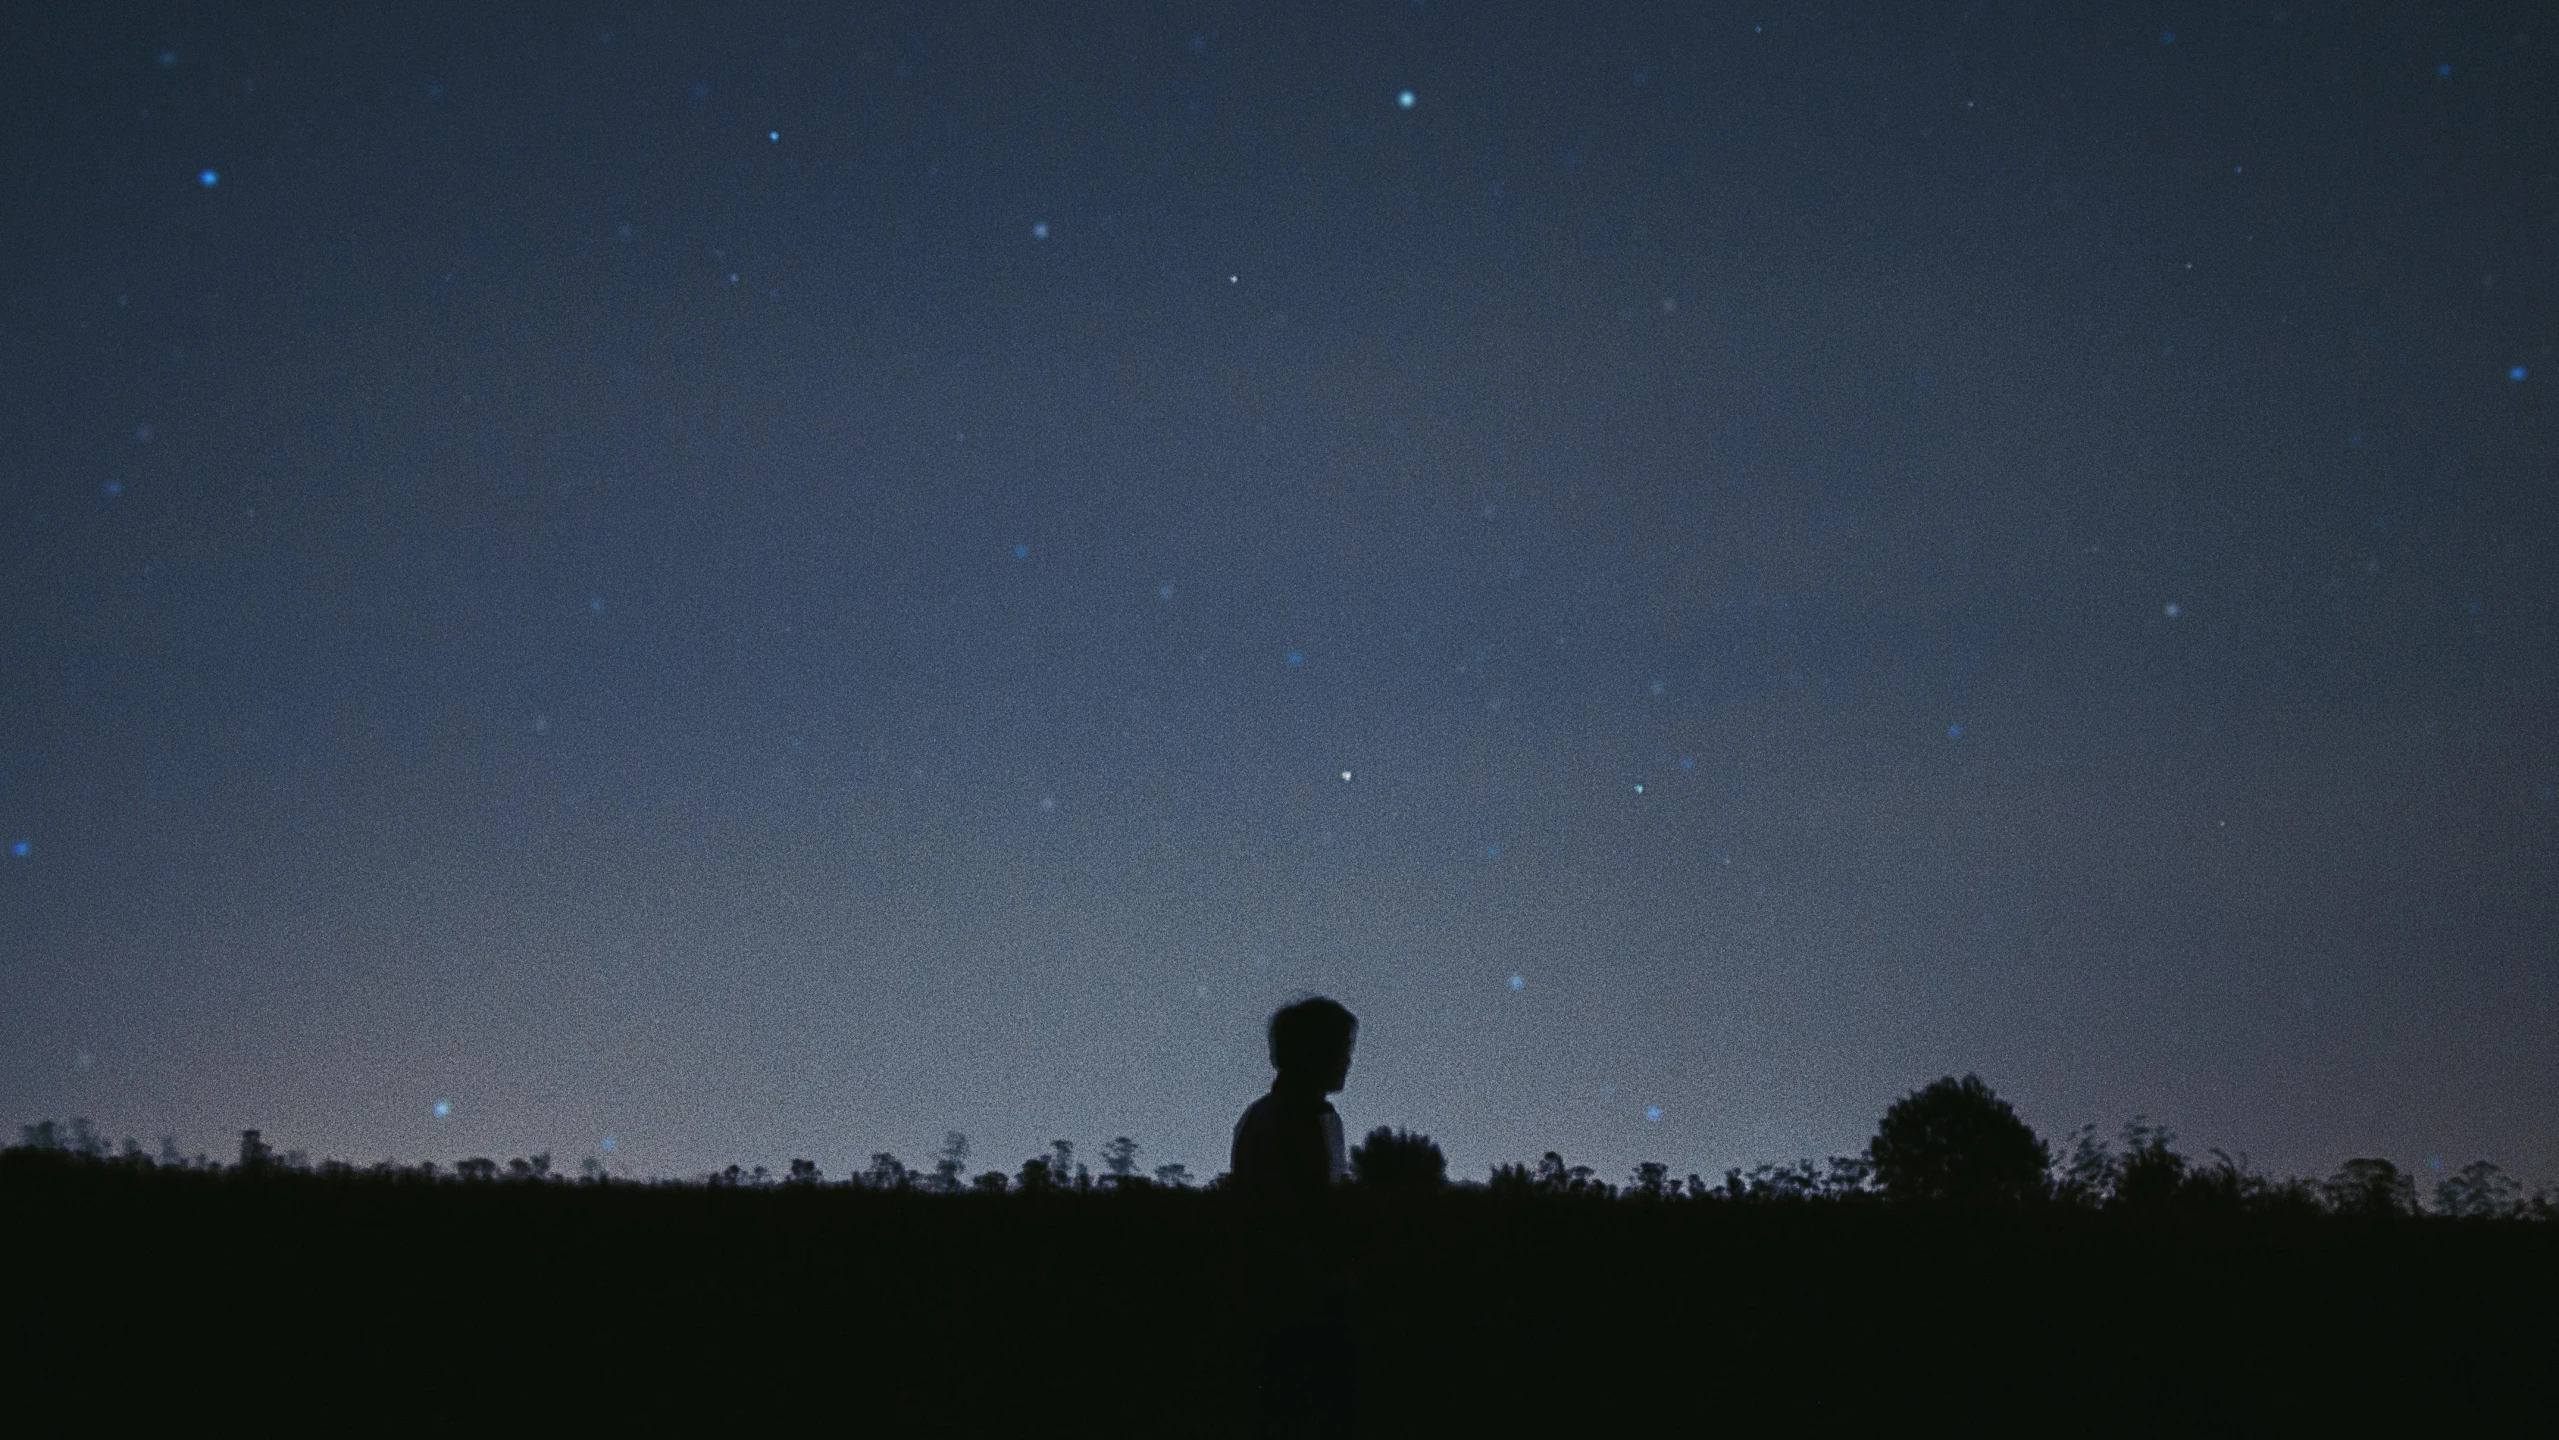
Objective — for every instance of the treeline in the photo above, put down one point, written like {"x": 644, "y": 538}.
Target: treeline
{"x": 1951, "y": 1143}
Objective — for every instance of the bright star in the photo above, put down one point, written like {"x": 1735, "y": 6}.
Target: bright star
{"x": 1021, "y": 552}
{"x": 22, "y": 847}
{"x": 1652, "y": 1112}
{"x": 2517, "y": 373}
{"x": 1346, "y": 777}
{"x": 1040, "y": 231}
{"x": 2171, "y": 610}
{"x": 608, "y": 1145}
{"x": 773, "y": 135}
{"x": 1405, "y": 99}
{"x": 1296, "y": 657}
{"x": 443, "y": 1109}
{"x": 1519, "y": 982}
{"x": 208, "y": 178}
{"x": 1639, "y": 789}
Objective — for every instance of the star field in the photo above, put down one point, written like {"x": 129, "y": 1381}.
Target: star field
{"x": 685, "y": 588}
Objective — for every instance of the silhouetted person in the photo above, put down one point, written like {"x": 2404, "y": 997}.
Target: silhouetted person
{"x": 1288, "y": 1155}
{"x": 1289, "y": 1142}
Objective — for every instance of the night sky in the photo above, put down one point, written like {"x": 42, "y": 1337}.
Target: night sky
{"x": 684, "y": 586}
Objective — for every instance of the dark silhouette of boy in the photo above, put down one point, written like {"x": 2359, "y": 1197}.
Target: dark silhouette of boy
{"x": 1287, "y": 1157}
{"x": 1289, "y": 1143}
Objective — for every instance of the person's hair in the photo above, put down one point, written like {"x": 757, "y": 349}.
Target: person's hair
{"x": 1310, "y": 1034}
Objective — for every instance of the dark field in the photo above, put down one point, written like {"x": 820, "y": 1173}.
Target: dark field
{"x": 1147, "y": 1310}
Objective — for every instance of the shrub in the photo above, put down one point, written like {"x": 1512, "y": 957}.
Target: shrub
{"x": 1399, "y": 1161}
{"x": 1955, "y": 1141}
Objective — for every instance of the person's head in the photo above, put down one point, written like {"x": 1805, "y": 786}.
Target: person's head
{"x": 1311, "y": 1043}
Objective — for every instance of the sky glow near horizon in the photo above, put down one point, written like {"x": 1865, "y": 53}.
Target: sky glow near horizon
{"x": 1839, "y": 549}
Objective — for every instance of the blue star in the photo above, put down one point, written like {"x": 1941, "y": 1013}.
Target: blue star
{"x": 773, "y": 135}
{"x": 1519, "y": 982}
{"x": 20, "y": 849}
{"x": 2444, "y": 70}
{"x": 1492, "y": 852}
{"x": 608, "y": 1145}
{"x": 115, "y": 487}
{"x": 443, "y": 1109}
{"x": 1296, "y": 657}
{"x": 1954, "y": 732}
{"x": 595, "y": 604}
{"x": 1687, "y": 762}
{"x": 2167, "y": 37}
{"x": 1021, "y": 552}
{"x": 208, "y": 178}
{"x": 1039, "y": 231}
{"x": 1163, "y": 592}
{"x": 1405, "y": 100}
{"x": 2517, "y": 373}
{"x": 1653, "y": 1112}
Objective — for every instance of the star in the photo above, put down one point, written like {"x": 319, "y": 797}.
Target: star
{"x": 773, "y": 135}
{"x": 21, "y": 849}
{"x": 1404, "y": 99}
{"x": 2516, "y": 372}
{"x": 1021, "y": 552}
{"x": 1296, "y": 657}
{"x": 2171, "y": 610}
{"x": 1954, "y": 732}
{"x": 443, "y": 1109}
{"x": 1519, "y": 982}
{"x": 1039, "y": 231}
{"x": 608, "y": 1145}
{"x": 1652, "y": 1112}
{"x": 1346, "y": 777}
{"x": 208, "y": 178}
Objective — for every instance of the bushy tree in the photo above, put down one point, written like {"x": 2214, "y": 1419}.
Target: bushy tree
{"x": 2480, "y": 1191}
{"x": 1398, "y": 1161}
{"x": 1119, "y": 1160}
{"x": 2370, "y": 1187}
{"x": 1955, "y": 1141}
{"x": 950, "y": 1171}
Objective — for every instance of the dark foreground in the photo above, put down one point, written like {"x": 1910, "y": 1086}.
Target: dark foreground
{"x": 395, "y": 1300}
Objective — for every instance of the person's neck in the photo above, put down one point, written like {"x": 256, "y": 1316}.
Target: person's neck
{"x": 1298, "y": 1086}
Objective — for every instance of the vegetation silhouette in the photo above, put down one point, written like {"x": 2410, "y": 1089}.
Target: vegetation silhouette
{"x": 1814, "y": 1294}
{"x": 1954, "y": 1141}
{"x": 1399, "y": 1162}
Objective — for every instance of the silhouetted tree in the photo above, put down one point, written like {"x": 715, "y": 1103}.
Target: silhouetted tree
{"x": 887, "y": 1172}
{"x": 1398, "y": 1161}
{"x": 2480, "y": 1191}
{"x": 804, "y": 1172}
{"x": 949, "y": 1170}
{"x": 1955, "y": 1141}
{"x": 1173, "y": 1177}
{"x": 256, "y": 1154}
{"x": 993, "y": 1182}
{"x": 1119, "y": 1160}
{"x": 475, "y": 1169}
{"x": 2148, "y": 1175}
{"x": 1651, "y": 1181}
{"x": 2370, "y": 1187}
